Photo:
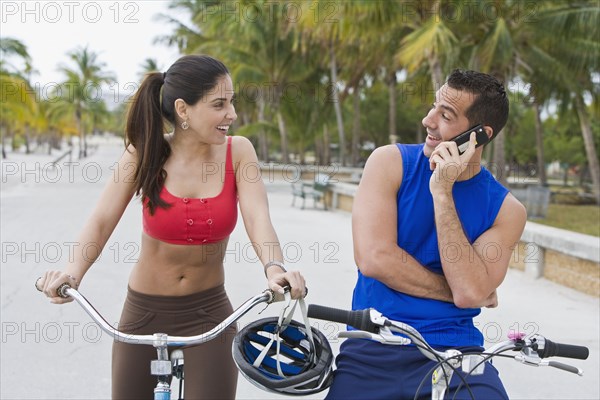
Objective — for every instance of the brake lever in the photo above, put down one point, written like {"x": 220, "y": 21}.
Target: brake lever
{"x": 538, "y": 362}
{"x": 384, "y": 336}
{"x": 565, "y": 367}
{"x": 533, "y": 361}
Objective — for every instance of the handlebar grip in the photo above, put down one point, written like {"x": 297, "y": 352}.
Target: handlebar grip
{"x": 552, "y": 349}
{"x": 62, "y": 290}
{"x": 358, "y": 319}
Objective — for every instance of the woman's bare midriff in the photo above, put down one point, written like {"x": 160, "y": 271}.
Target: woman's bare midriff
{"x": 166, "y": 269}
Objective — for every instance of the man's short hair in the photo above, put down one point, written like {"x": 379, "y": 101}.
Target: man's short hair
{"x": 490, "y": 106}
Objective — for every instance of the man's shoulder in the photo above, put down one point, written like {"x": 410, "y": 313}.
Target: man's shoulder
{"x": 384, "y": 154}
{"x": 513, "y": 208}
{"x": 396, "y": 151}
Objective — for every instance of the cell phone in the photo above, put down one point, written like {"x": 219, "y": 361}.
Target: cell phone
{"x": 462, "y": 140}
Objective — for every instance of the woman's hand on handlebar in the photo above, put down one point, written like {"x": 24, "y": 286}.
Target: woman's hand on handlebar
{"x": 51, "y": 281}
{"x": 294, "y": 279}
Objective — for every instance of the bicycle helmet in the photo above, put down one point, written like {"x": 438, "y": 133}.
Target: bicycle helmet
{"x": 306, "y": 368}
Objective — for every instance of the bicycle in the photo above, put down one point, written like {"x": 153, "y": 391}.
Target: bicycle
{"x": 163, "y": 367}
{"x": 371, "y": 324}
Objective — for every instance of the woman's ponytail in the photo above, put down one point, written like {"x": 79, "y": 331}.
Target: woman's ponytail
{"x": 145, "y": 132}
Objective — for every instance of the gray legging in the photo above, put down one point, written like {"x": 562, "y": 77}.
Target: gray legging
{"x": 210, "y": 372}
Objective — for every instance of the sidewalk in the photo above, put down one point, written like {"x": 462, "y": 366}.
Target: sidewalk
{"x": 56, "y": 352}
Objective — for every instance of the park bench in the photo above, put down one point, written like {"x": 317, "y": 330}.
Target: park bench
{"x": 315, "y": 190}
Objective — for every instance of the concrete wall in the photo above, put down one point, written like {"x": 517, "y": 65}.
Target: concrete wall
{"x": 565, "y": 257}
{"x": 292, "y": 172}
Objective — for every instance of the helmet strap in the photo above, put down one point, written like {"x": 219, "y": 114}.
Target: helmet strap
{"x": 282, "y": 323}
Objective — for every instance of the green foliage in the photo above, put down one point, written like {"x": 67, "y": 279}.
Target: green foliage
{"x": 410, "y": 108}
{"x": 281, "y": 68}
{"x": 578, "y": 218}
{"x": 563, "y": 141}
{"x": 520, "y": 136}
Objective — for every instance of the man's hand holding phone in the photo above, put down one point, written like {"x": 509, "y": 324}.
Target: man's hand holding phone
{"x": 447, "y": 163}
{"x": 462, "y": 140}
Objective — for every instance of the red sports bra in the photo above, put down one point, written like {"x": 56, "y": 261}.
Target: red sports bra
{"x": 193, "y": 220}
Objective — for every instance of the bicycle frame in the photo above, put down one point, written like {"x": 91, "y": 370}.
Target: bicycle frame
{"x": 161, "y": 367}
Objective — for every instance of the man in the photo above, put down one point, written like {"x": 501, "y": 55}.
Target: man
{"x": 433, "y": 235}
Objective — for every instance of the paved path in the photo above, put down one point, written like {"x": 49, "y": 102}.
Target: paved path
{"x": 55, "y": 352}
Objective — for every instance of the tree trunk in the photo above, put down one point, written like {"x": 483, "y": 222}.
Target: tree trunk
{"x": 393, "y": 137}
{"x": 283, "y": 134}
{"x": 337, "y": 106}
{"x": 27, "y": 140}
{"x": 435, "y": 68}
{"x": 437, "y": 78}
{"x": 79, "y": 126}
{"x": 590, "y": 148}
{"x": 3, "y": 134}
{"x": 85, "y": 147}
{"x": 309, "y": 133}
{"x": 13, "y": 142}
{"x": 326, "y": 141}
{"x": 301, "y": 152}
{"x": 356, "y": 128}
{"x": 263, "y": 148}
{"x": 539, "y": 140}
{"x": 499, "y": 161}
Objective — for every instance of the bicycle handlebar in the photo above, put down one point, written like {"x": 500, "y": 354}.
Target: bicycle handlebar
{"x": 358, "y": 319}
{"x": 379, "y": 327}
{"x": 265, "y": 297}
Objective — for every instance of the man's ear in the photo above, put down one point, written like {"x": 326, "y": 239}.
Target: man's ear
{"x": 489, "y": 131}
{"x": 181, "y": 109}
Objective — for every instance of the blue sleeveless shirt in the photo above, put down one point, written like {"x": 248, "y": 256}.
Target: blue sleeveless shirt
{"x": 477, "y": 201}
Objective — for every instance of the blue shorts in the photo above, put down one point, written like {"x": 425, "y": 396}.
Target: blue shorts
{"x": 371, "y": 370}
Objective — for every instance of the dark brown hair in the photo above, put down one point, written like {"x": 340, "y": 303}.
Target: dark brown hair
{"x": 490, "y": 106}
{"x": 189, "y": 79}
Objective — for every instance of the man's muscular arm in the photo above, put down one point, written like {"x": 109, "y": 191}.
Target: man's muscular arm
{"x": 374, "y": 231}
{"x": 472, "y": 277}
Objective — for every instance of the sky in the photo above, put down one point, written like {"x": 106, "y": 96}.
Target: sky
{"x": 121, "y": 32}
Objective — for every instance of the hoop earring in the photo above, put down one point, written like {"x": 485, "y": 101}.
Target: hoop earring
{"x": 185, "y": 125}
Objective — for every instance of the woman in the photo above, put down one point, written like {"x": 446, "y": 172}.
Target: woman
{"x": 190, "y": 182}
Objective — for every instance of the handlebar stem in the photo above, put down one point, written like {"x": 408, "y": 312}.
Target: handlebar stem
{"x": 443, "y": 373}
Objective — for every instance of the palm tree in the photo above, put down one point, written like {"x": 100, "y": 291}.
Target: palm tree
{"x": 18, "y": 104}
{"x": 316, "y": 28}
{"x": 149, "y": 65}
{"x": 360, "y": 34}
{"x": 557, "y": 55}
{"x": 87, "y": 74}
{"x": 13, "y": 47}
{"x": 17, "y": 112}
{"x": 61, "y": 118}
{"x": 578, "y": 53}
{"x": 266, "y": 54}
{"x": 555, "y": 50}
{"x": 431, "y": 42}
{"x": 370, "y": 33}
